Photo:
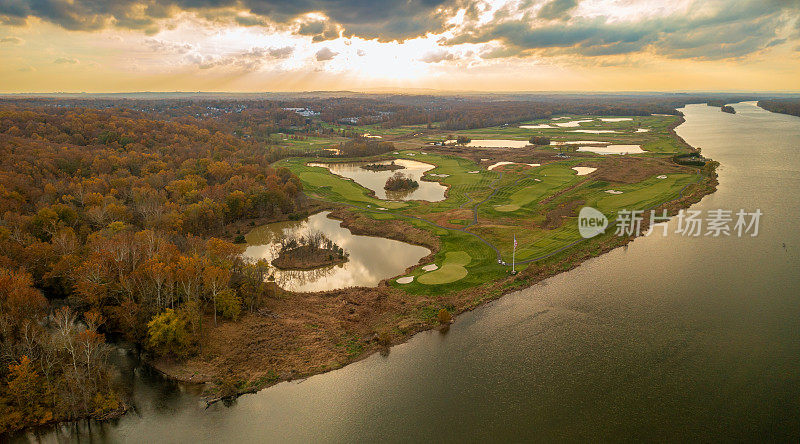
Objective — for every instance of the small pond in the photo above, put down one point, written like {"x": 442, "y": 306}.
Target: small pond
{"x": 375, "y": 180}
{"x": 368, "y": 264}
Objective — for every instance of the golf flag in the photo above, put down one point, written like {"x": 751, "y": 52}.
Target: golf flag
{"x": 514, "y": 256}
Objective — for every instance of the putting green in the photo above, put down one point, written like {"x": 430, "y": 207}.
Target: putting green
{"x": 451, "y": 271}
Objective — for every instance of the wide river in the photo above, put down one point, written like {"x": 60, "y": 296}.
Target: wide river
{"x": 672, "y": 338}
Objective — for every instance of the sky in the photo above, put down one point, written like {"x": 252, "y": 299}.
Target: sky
{"x": 363, "y": 45}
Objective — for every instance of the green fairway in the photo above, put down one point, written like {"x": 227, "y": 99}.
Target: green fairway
{"x": 451, "y": 270}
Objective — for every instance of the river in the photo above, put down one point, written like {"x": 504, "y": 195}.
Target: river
{"x": 671, "y": 338}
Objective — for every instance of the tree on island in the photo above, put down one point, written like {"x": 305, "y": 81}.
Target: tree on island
{"x": 399, "y": 182}
{"x": 310, "y": 251}
{"x": 539, "y": 140}
{"x": 463, "y": 140}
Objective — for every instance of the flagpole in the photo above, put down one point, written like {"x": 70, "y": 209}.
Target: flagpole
{"x": 514, "y": 256}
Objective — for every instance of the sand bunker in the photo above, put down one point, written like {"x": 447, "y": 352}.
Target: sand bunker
{"x": 616, "y": 119}
{"x": 430, "y": 267}
{"x": 405, "y": 280}
{"x": 582, "y": 171}
{"x": 573, "y": 123}
{"x": 370, "y": 136}
{"x": 473, "y": 172}
{"x": 498, "y": 164}
{"x": 642, "y": 130}
{"x": 439, "y": 175}
{"x": 661, "y": 177}
{"x": 580, "y": 142}
{"x": 542, "y": 126}
{"x": 613, "y": 192}
{"x": 613, "y": 149}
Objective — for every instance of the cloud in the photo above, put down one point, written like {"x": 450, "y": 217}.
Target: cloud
{"x": 66, "y": 61}
{"x": 385, "y": 20}
{"x": 249, "y": 60}
{"x": 326, "y": 54}
{"x": 709, "y": 31}
{"x": 437, "y": 56}
{"x": 12, "y": 40}
{"x": 320, "y": 30}
{"x": 557, "y": 9}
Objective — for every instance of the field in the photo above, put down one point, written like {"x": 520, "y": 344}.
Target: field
{"x": 486, "y": 209}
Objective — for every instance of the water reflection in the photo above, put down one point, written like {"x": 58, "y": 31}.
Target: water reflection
{"x": 375, "y": 180}
{"x": 368, "y": 264}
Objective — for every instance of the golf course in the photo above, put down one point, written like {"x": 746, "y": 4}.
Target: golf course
{"x": 495, "y": 194}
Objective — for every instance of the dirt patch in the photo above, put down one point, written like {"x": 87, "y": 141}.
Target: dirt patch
{"x": 555, "y": 217}
{"x": 634, "y": 169}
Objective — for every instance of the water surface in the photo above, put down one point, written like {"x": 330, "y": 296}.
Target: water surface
{"x": 368, "y": 263}
{"x": 375, "y": 180}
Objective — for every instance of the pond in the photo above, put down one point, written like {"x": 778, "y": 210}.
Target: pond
{"x": 375, "y": 180}
{"x": 368, "y": 263}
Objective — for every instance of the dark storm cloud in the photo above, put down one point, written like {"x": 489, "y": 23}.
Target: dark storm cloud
{"x": 732, "y": 29}
{"x": 385, "y": 20}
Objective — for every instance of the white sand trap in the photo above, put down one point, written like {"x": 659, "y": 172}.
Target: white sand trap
{"x": 381, "y": 208}
{"x": 395, "y": 152}
{"x": 484, "y": 160}
{"x": 642, "y": 130}
{"x": 405, "y": 280}
{"x": 439, "y": 175}
{"x": 561, "y": 118}
{"x": 370, "y": 136}
{"x": 498, "y": 164}
{"x": 616, "y": 119}
{"x": 613, "y": 149}
{"x": 573, "y": 123}
{"x": 538, "y": 180}
{"x": 430, "y": 267}
{"x": 613, "y": 192}
{"x": 582, "y": 171}
{"x": 410, "y": 154}
{"x": 473, "y": 172}
{"x": 580, "y": 142}
{"x": 661, "y": 177}
{"x": 594, "y": 131}
{"x": 542, "y": 126}
{"x": 424, "y": 154}
{"x": 662, "y": 115}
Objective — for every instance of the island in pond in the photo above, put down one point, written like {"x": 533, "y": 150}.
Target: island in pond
{"x": 307, "y": 252}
